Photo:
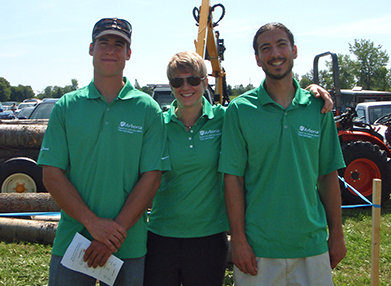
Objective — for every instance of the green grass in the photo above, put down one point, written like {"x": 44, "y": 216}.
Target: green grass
{"x": 355, "y": 269}
{"x": 28, "y": 264}
{"x": 24, "y": 264}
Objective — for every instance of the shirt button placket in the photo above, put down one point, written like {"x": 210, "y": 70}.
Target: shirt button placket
{"x": 285, "y": 120}
{"x": 191, "y": 145}
{"x": 106, "y": 116}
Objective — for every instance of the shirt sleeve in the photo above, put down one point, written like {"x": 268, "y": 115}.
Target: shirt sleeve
{"x": 154, "y": 153}
{"x": 330, "y": 153}
{"x": 233, "y": 156}
{"x": 54, "y": 148}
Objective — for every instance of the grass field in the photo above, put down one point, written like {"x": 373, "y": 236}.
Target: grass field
{"x": 355, "y": 269}
{"x": 28, "y": 264}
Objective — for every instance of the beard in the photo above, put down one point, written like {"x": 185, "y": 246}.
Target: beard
{"x": 279, "y": 76}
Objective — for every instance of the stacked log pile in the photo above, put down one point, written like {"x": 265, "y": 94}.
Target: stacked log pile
{"x": 20, "y": 229}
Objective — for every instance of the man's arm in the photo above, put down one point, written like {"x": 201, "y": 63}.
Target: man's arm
{"x": 135, "y": 206}
{"x": 109, "y": 232}
{"x": 330, "y": 196}
{"x": 319, "y": 91}
{"x": 242, "y": 254}
{"x": 139, "y": 198}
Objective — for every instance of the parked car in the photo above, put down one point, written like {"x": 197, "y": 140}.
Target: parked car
{"x": 26, "y": 104}
{"x": 23, "y": 105}
{"x": 8, "y": 104}
{"x": 43, "y": 109}
{"x": 25, "y": 112}
{"x": 32, "y": 100}
{"x": 5, "y": 106}
{"x": 163, "y": 95}
{"x": 369, "y": 112}
{"x": 375, "y": 114}
{"x": 6, "y": 114}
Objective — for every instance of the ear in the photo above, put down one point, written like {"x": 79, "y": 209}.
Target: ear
{"x": 204, "y": 83}
{"x": 91, "y": 49}
{"x": 294, "y": 51}
{"x": 257, "y": 59}
{"x": 128, "y": 54}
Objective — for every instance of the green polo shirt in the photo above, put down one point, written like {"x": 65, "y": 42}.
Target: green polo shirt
{"x": 281, "y": 152}
{"x": 104, "y": 148}
{"x": 190, "y": 201}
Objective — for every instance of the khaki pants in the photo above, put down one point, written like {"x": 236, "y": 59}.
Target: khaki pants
{"x": 308, "y": 271}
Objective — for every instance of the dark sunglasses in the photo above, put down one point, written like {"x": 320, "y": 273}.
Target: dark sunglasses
{"x": 114, "y": 24}
{"x": 192, "y": 80}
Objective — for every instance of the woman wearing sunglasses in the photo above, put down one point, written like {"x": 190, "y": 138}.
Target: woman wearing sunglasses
{"x": 187, "y": 240}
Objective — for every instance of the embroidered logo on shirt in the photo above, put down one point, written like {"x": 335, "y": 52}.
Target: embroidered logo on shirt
{"x": 308, "y": 132}
{"x": 209, "y": 134}
{"x": 129, "y": 128}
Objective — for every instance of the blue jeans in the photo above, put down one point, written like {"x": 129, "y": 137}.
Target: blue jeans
{"x": 131, "y": 274}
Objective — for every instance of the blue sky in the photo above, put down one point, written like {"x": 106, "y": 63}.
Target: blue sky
{"x": 45, "y": 43}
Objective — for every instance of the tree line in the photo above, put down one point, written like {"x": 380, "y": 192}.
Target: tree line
{"x": 14, "y": 93}
{"x": 22, "y": 92}
{"x": 366, "y": 66}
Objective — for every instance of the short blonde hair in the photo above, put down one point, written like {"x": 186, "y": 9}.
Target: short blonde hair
{"x": 186, "y": 62}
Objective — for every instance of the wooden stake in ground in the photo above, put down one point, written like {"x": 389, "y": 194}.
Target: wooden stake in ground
{"x": 376, "y": 209}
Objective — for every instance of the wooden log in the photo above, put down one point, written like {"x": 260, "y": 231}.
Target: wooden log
{"x": 27, "y": 202}
{"x": 22, "y": 136}
{"x": 15, "y": 230}
{"x": 24, "y": 121}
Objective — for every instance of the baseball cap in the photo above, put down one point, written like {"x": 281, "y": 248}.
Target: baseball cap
{"x": 112, "y": 26}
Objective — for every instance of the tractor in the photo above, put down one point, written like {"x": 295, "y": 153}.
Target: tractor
{"x": 366, "y": 153}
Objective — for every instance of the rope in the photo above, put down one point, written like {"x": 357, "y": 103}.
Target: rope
{"x": 370, "y": 204}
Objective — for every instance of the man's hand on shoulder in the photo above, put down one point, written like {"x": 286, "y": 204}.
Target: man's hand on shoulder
{"x": 319, "y": 91}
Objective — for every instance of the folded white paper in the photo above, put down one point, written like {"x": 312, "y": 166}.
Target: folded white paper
{"x": 73, "y": 259}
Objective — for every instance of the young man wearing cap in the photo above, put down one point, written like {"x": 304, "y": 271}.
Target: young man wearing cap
{"x": 102, "y": 157}
{"x": 280, "y": 156}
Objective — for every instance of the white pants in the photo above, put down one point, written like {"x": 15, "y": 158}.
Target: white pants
{"x": 308, "y": 271}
